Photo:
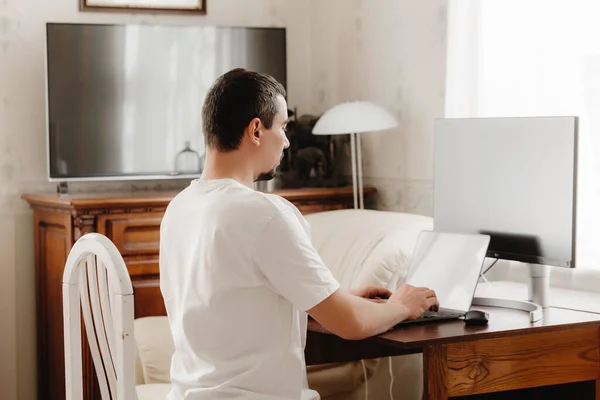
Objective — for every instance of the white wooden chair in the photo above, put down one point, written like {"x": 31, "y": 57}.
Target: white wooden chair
{"x": 96, "y": 284}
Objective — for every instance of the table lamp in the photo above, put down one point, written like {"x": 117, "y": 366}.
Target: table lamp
{"x": 352, "y": 118}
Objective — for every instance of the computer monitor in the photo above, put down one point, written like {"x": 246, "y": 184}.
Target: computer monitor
{"x": 511, "y": 178}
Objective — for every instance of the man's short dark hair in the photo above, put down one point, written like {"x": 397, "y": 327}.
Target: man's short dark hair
{"x": 233, "y": 101}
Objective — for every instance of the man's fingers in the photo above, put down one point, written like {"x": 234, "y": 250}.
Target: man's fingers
{"x": 433, "y": 304}
{"x": 425, "y": 289}
{"x": 380, "y": 292}
{"x": 377, "y": 300}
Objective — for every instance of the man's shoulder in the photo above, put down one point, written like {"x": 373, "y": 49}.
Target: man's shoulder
{"x": 260, "y": 208}
{"x": 277, "y": 202}
{"x": 236, "y": 201}
{"x": 287, "y": 210}
{"x": 260, "y": 202}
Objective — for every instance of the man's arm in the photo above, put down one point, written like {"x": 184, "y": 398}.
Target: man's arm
{"x": 354, "y": 318}
{"x": 294, "y": 270}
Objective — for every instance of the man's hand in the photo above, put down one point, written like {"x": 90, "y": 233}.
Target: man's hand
{"x": 374, "y": 293}
{"x": 416, "y": 300}
{"x": 348, "y": 315}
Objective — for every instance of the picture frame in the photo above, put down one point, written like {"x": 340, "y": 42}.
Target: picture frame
{"x": 169, "y": 6}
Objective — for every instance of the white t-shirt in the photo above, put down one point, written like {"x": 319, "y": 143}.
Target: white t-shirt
{"x": 237, "y": 272}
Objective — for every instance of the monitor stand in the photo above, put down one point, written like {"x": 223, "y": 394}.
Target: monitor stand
{"x": 538, "y": 289}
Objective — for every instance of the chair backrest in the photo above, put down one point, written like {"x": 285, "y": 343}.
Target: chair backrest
{"x": 96, "y": 284}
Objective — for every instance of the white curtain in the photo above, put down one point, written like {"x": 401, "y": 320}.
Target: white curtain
{"x": 533, "y": 58}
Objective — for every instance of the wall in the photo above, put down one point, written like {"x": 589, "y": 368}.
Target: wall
{"x": 392, "y": 52}
{"x": 22, "y": 143}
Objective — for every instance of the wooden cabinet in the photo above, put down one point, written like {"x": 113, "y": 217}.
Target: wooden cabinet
{"x": 137, "y": 235}
{"x": 132, "y": 222}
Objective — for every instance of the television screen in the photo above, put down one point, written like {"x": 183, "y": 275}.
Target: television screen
{"x": 125, "y": 101}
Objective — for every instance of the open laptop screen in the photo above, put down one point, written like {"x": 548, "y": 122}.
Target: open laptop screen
{"x": 450, "y": 264}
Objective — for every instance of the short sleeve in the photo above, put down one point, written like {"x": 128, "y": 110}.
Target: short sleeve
{"x": 285, "y": 255}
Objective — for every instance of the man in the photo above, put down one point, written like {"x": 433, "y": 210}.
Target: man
{"x": 238, "y": 271}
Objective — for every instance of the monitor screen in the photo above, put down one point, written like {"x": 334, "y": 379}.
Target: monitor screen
{"x": 125, "y": 100}
{"x": 513, "y": 179}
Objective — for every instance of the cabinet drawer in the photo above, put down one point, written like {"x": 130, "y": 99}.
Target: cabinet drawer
{"x": 142, "y": 266}
{"x": 148, "y": 300}
{"x": 133, "y": 234}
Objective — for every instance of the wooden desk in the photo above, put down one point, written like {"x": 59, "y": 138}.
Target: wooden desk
{"x": 509, "y": 353}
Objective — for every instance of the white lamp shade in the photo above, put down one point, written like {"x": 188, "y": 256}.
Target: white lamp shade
{"x": 354, "y": 117}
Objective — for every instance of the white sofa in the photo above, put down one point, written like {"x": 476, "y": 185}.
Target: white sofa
{"x": 361, "y": 247}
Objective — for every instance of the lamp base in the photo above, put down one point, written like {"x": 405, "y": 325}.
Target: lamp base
{"x": 357, "y": 173}
{"x": 353, "y": 155}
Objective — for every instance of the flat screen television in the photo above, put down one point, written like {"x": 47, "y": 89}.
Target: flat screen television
{"x": 125, "y": 101}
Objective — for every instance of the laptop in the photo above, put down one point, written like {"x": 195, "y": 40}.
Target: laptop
{"x": 450, "y": 264}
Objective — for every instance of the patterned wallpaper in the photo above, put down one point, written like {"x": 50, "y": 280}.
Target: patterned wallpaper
{"x": 388, "y": 51}
{"x": 10, "y": 28}
{"x": 393, "y": 53}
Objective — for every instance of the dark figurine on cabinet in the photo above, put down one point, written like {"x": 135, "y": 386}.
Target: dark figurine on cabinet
{"x": 313, "y": 160}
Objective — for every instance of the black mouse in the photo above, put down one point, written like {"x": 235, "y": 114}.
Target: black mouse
{"x": 476, "y": 317}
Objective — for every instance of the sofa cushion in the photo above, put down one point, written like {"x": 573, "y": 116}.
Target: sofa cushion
{"x": 139, "y": 370}
{"x": 367, "y": 247}
{"x": 154, "y": 345}
{"x": 153, "y": 391}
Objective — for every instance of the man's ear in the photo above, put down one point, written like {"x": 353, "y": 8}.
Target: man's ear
{"x": 254, "y": 130}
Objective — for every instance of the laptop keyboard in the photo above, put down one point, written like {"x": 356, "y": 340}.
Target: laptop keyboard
{"x": 433, "y": 316}
{"x": 439, "y": 314}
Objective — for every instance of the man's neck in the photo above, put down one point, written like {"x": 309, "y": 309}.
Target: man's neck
{"x": 233, "y": 165}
